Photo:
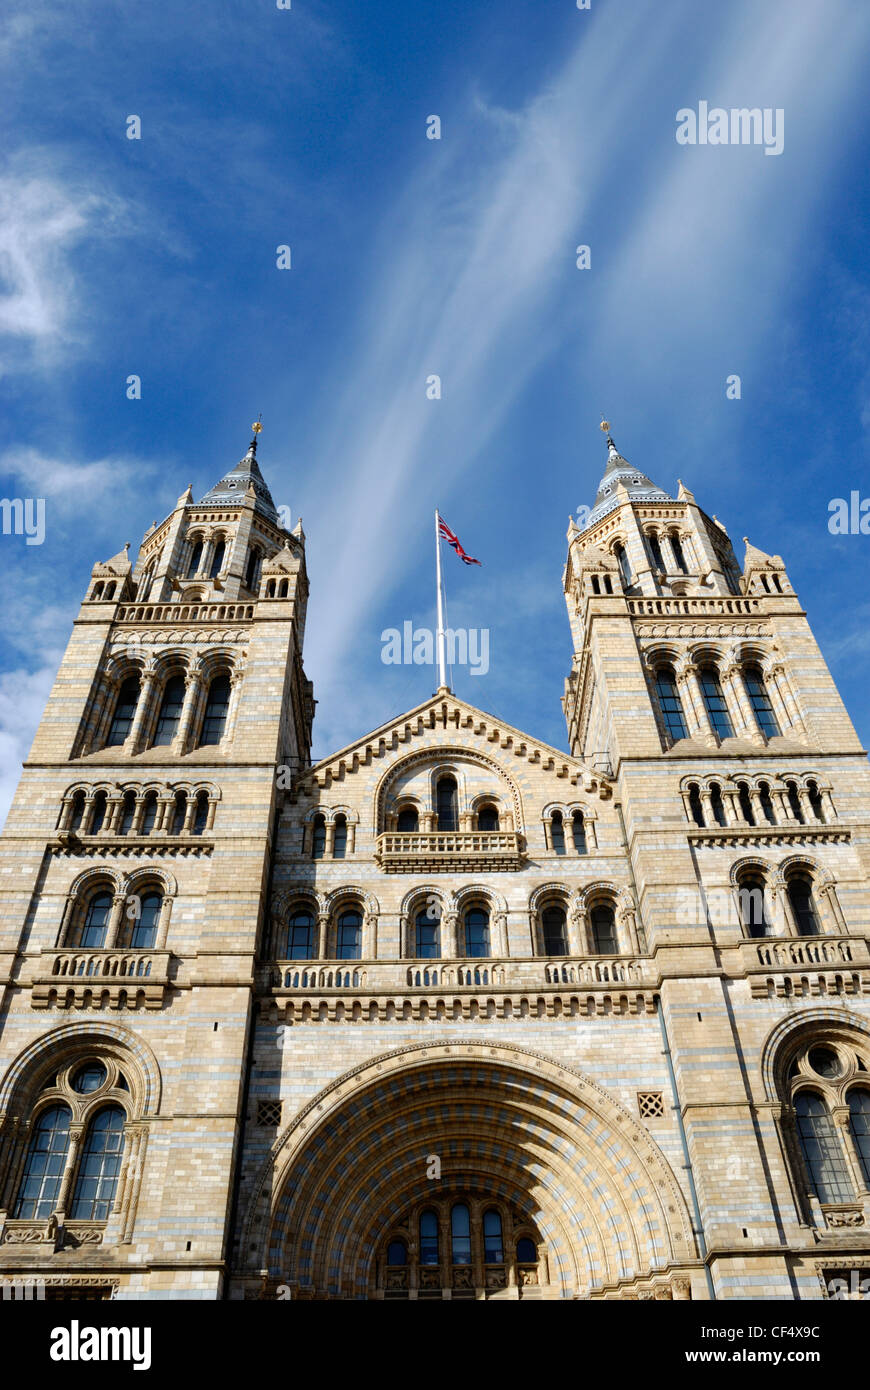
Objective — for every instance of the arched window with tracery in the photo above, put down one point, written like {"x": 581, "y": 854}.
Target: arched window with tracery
{"x": 95, "y": 923}
{"x": 146, "y": 920}
{"x": 99, "y": 1166}
{"x": 859, "y": 1124}
{"x": 44, "y": 1165}
{"x": 125, "y": 712}
{"x": 821, "y": 1149}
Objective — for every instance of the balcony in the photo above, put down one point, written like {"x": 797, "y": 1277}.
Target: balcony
{"x": 81, "y": 978}
{"x": 449, "y": 851}
{"x": 800, "y": 966}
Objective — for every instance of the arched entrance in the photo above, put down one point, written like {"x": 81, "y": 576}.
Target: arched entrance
{"x": 562, "y": 1162}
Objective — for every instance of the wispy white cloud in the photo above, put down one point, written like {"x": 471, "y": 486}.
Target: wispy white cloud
{"x": 23, "y": 695}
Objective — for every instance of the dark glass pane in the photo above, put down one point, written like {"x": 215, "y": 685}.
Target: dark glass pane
{"x": 671, "y": 705}
{"x": 128, "y": 811}
{"x": 794, "y": 802}
{"x": 557, "y": 833}
{"x": 680, "y": 558}
{"x": 349, "y": 936}
{"x": 300, "y": 937}
{"x": 824, "y": 1062}
{"x": 487, "y": 818}
{"x": 493, "y": 1249}
{"x": 99, "y": 1166}
{"x": 477, "y": 932}
{"x": 397, "y": 1253}
{"x": 746, "y": 804}
{"x": 339, "y": 842}
{"x": 217, "y": 560}
{"x": 89, "y": 1078}
{"x": 96, "y": 921}
{"x": 200, "y": 820}
{"x": 149, "y": 815}
{"x": 143, "y": 937}
{"x": 318, "y": 839}
{"x": 603, "y": 923}
{"x": 44, "y": 1165}
{"x": 446, "y": 799}
{"x": 460, "y": 1231}
{"x": 428, "y": 1238}
{"x": 216, "y": 707}
{"x": 252, "y": 577}
{"x": 717, "y": 805}
{"x": 526, "y": 1252}
{"x": 78, "y": 810}
{"x": 179, "y": 812}
{"x": 624, "y": 567}
{"x": 428, "y": 938}
{"x": 800, "y": 895}
{"x": 195, "y": 557}
{"x": 714, "y": 702}
{"x": 766, "y": 802}
{"x": 555, "y": 933}
{"x": 407, "y": 820}
{"x": 655, "y": 551}
{"x": 822, "y": 1150}
{"x": 859, "y": 1111}
{"x": 125, "y": 710}
{"x": 750, "y": 896}
{"x": 578, "y": 832}
{"x": 98, "y": 814}
{"x": 760, "y": 701}
{"x": 170, "y": 711}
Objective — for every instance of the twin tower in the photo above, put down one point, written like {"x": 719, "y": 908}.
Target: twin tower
{"x": 451, "y": 1013}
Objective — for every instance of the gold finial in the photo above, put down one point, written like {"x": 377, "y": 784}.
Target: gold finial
{"x": 256, "y": 426}
{"x": 604, "y": 426}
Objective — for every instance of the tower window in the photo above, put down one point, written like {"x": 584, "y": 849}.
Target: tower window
{"x": 318, "y": 837}
{"x": 252, "y": 575}
{"x": 407, "y": 820}
{"x": 670, "y": 703}
{"x": 746, "y": 810}
{"x": 714, "y": 702}
{"x": 179, "y": 811}
{"x": 143, "y": 937}
{"x": 603, "y": 922}
{"x": 557, "y": 833}
{"x": 98, "y": 815}
{"x": 760, "y": 701}
{"x": 717, "y": 805}
{"x": 200, "y": 818}
{"x": 339, "y": 841}
{"x": 299, "y": 938}
{"x": 217, "y": 560}
{"x": 794, "y": 802}
{"x": 446, "y": 802}
{"x": 578, "y": 832}
{"x": 655, "y": 550}
{"x": 149, "y": 814}
{"x": 96, "y": 923}
{"x": 553, "y": 923}
{"x": 125, "y": 710}
{"x": 349, "y": 935}
{"x": 477, "y": 932}
{"x": 695, "y": 805}
{"x": 216, "y": 708}
{"x": 78, "y": 810}
{"x": 679, "y": 557}
{"x": 170, "y": 711}
{"x": 750, "y": 897}
{"x": 800, "y": 896}
{"x": 195, "y": 559}
{"x": 128, "y": 811}
{"x": 823, "y": 1155}
{"x": 427, "y": 933}
{"x": 766, "y": 802}
{"x": 624, "y": 567}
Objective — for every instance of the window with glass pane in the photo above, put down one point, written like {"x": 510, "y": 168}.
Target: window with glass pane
{"x": 300, "y": 936}
{"x": 339, "y": 842}
{"x": 95, "y": 925}
{"x": 252, "y": 576}
{"x": 676, "y": 547}
{"x": 217, "y": 560}
{"x": 214, "y": 720}
{"x": 44, "y": 1165}
{"x": 170, "y": 711}
{"x": 714, "y": 702}
{"x": 859, "y": 1119}
{"x": 428, "y": 1238}
{"x": 760, "y": 701}
{"x": 149, "y": 814}
{"x": 446, "y": 802}
{"x": 557, "y": 833}
{"x": 578, "y": 832}
{"x": 200, "y": 819}
{"x": 750, "y": 897}
{"x": 526, "y": 1252}
{"x": 800, "y": 895}
{"x": 428, "y": 942}
{"x": 821, "y": 1149}
{"x": 128, "y": 811}
{"x": 655, "y": 551}
{"x": 143, "y": 937}
{"x": 670, "y": 704}
{"x": 318, "y": 838}
{"x": 89, "y": 1078}
{"x": 98, "y": 815}
{"x": 603, "y": 921}
{"x": 555, "y": 931}
{"x": 477, "y": 932}
{"x": 460, "y": 1233}
{"x": 349, "y": 936}
{"x": 125, "y": 710}
{"x": 397, "y": 1253}
{"x": 99, "y": 1166}
{"x": 487, "y": 818}
{"x": 195, "y": 557}
{"x": 493, "y": 1247}
{"x": 624, "y": 567}
{"x": 407, "y": 820}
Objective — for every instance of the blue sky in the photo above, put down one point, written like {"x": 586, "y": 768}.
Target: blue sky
{"x": 307, "y": 127}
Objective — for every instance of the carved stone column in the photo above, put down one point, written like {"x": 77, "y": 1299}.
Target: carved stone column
{"x": 143, "y": 711}
{"x": 188, "y": 710}
{"x": 116, "y": 920}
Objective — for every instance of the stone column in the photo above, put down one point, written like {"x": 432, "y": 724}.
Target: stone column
{"x": 322, "y": 934}
{"x": 143, "y": 711}
{"x": 693, "y": 703}
{"x": 188, "y": 710}
{"x": 76, "y": 1134}
{"x": 739, "y": 703}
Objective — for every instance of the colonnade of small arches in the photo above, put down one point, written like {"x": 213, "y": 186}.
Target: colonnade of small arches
{"x": 757, "y": 799}
{"x": 135, "y": 810}
{"x": 178, "y": 702}
{"x": 797, "y": 897}
{"x": 598, "y": 920}
{"x": 106, "y": 910}
{"x": 462, "y": 1243}
{"x": 711, "y": 694}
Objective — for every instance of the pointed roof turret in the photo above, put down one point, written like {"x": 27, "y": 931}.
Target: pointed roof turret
{"x": 233, "y": 486}
{"x": 621, "y": 478}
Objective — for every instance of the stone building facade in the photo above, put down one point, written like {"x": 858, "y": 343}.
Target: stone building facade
{"x": 450, "y": 1014}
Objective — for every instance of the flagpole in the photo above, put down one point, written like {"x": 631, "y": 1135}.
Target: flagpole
{"x": 441, "y": 670}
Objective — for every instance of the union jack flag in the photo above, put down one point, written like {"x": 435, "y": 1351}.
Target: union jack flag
{"x": 448, "y": 536}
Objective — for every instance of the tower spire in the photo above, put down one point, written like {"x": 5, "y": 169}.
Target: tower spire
{"x": 619, "y": 470}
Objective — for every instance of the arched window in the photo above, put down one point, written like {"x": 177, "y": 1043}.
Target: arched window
{"x": 677, "y": 548}
{"x": 766, "y": 802}
{"x": 78, "y": 810}
{"x": 252, "y": 574}
{"x": 339, "y": 842}
{"x": 446, "y": 803}
{"x": 170, "y": 711}
{"x": 655, "y": 550}
{"x": 714, "y": 701}
{"x": 555, "y": 930}
{"x": 149, "y": 813}
{"x": 578, "y": 832}
{"x": 44, "y": 1165}
{"x": 794, "y": 802}
{"x": 527, "y": 1253}
{"x": 557, "y": 832}
{"x": 429, "y": 1238}
{"x": 717, "y": 805}
{"x": 96, "y": 921}
{"x": 859, "y": 1123}
{"x": 800, "y": 895}
{"x": 299, "y": 937}
{"x": 487, "y": 818}
{"x": 477, "y": 932}
{"x": 125, "y": 710}
{"x": 624, "y": 567}
{"x": 179, "y": 811}
{"x": 816, "y": 800}
{"x": 821, "y": 1149}
{"x": 217, "y": 704}
{"x": 745, "y": 800}
{"x": 143, "y": 936}
{"x": 695, "y": 805}
{"x": 427, "y": 935}
{"x": 602, "y": 919}
{"x": 753, "y": 915}
{"x": 760, "y": 701}
{"x": 407, "y": 820}
{"x": 318, "y": 837}
{"x": 670, "y": 703}
{"x": 98, "y": 814}
{"x": 99, "y": 1166}
{"x": 348, "y": 943}
{"x": 397, "y": 1253}
{"x": 128, "y": 811}
{"x": 460, "y": 1234}
{"x": 195, "y": 558}
{"x": 217, "y": 559}
{"x": 493, "y": 1245}
{"x": 200, "y": 816}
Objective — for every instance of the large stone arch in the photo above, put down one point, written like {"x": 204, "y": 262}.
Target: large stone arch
{"x": 535, "y": 1133}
